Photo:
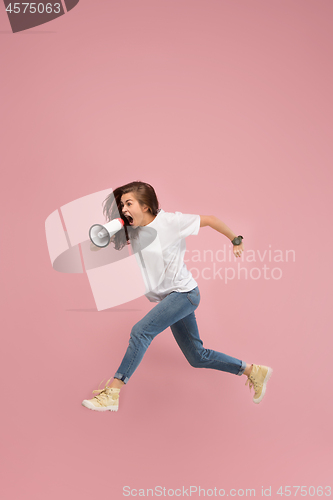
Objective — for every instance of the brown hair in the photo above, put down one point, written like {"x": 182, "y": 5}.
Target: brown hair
{"x": 144, "y": 193}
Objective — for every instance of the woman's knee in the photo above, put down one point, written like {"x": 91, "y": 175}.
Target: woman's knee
{"x": 139, "y": 335}
{"x": 196, "y": 362}
{"x": 136, "y": 333}
{"x": 198, "y": 359}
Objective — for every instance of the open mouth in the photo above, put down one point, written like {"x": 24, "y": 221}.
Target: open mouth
{"x": 130, "y": 219}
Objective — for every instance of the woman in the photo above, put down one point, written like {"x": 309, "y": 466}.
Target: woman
{"x": 158, "y": 241}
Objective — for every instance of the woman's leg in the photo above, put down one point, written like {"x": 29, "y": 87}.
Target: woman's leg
{"x": 186, "y": 334}
{"x": 170, "y": 310}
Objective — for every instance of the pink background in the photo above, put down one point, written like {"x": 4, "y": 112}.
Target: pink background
{"x": 225, "y": 108}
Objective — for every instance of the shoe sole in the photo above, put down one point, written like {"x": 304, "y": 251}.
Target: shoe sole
{"x": 90, "y": 406}
{"x": 266, "y": 379}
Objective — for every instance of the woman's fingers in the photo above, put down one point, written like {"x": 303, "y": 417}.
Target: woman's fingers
{"x": 238, "y": 252}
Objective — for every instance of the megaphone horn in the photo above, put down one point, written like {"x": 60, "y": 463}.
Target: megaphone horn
{"x": 101, "y": 235}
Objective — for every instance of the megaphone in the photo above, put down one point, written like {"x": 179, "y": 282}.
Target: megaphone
{"x": 101, "y": 235}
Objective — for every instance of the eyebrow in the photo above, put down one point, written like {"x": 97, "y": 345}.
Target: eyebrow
{"x": 129, "y": 199}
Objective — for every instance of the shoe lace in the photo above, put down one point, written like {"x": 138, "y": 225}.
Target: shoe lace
{"x": 102, "y": 392}
{"x": 252, "y": 383}
{"x": 249, "y": 382}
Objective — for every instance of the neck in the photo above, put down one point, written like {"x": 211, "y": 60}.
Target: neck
{"x": 148, "y": 218}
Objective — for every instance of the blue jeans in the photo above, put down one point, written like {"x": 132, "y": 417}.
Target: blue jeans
{"x": 177, "y": 311}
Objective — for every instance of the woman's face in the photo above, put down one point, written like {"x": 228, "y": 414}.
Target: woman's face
{"x": 132, "y": 210}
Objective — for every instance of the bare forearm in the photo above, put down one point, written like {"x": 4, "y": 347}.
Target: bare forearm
{"x": 221, "y": 227}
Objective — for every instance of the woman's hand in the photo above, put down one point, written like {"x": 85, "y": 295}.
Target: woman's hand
{"x": 238, "y": 250}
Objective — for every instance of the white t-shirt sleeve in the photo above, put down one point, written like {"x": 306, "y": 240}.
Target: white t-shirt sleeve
{"x": 188, "y": 224}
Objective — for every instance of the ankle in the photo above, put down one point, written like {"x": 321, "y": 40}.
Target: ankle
{"x": 116, "y": 384}
{"x": 248, "y": 370}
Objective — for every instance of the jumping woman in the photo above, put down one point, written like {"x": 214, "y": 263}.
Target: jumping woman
{"x": 171, "y": 284}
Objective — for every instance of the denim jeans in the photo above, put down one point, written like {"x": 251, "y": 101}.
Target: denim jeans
{"x": 177, "y": 311}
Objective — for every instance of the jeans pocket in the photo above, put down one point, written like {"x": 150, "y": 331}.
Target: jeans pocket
{"x": 194, "y": 296}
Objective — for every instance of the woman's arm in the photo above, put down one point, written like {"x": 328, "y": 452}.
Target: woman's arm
{"x": 221, "y": 227}
{"x": 217, "y": 224}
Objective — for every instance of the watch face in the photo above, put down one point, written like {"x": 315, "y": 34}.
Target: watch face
{"x": 237, "y": 241}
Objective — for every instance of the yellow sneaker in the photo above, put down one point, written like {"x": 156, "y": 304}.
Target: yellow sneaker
{"x": 107, "y": 399}
{"x": 258, "y": 379}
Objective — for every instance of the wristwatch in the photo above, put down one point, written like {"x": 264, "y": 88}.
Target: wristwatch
{"x": 237, "y": 240}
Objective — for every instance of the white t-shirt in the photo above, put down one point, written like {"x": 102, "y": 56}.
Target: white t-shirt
{"x": 159, "y": 249}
